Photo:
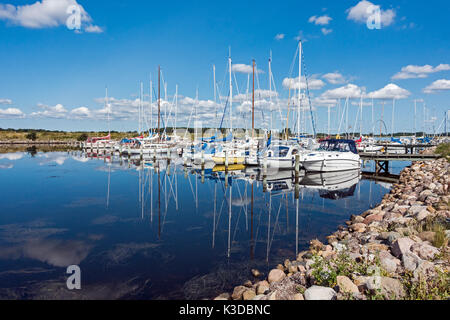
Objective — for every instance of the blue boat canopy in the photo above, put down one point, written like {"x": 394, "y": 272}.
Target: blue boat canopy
{"x": 339, "y": 145}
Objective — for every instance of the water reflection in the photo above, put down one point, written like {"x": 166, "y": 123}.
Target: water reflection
{"x": 151, "y": 228}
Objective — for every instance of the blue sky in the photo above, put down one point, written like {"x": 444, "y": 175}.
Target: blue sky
{"x": 54, "y": 78}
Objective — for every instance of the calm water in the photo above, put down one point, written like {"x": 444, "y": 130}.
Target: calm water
{"x": 142, "y": 232}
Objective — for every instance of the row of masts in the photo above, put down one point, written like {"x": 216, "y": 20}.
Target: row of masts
{"x": 301, "y": 116}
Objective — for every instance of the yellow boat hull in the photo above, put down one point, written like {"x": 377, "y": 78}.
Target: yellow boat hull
{"x": 234, "y": 167}
{"x": 231, "y": 160}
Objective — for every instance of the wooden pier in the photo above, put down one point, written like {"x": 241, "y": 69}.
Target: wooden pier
{"x": 382, "y": 159}
{"x": 409, "y": 148}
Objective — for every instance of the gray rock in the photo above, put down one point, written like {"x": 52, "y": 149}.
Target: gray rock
{"x": 414, "y": 210}
{"x": 388, "y": 261}
{"x": 422, "y": 215}
{"x": 410, "y": 261}
{"x": 424, "y": 251}
{"x": 388, "y": 287}
{"x": 424, "y": 271}
{"x": 320, "y": 293}
{"x": 401, "y": 246}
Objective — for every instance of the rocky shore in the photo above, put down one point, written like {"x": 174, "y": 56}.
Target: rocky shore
{"x": 396, "y": 251}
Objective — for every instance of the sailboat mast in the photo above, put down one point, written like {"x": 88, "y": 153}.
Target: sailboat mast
{"x": 176, "y": 109}
{"x": 159, "y": 100}
{"x": 393, "y": 114}
{"x": 107, "y": 108}
{"x": 139, "y": 112}
{"x": 270, "y": 91}
{"x": 299, "y": 86}
{"x": 151, "y": 103}
{"x": 231, "y": 94}
{"x": 253, "y": 102}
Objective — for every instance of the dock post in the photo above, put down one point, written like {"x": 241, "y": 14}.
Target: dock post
{"x": 297, "y": 168}
{"x": 226, "y": 161}
{"x": 203, "y": 162}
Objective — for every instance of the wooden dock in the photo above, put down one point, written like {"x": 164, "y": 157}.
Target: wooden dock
{"x": 397, "y": 157}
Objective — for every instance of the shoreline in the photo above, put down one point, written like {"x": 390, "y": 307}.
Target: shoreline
{"x": 396, "y": 251}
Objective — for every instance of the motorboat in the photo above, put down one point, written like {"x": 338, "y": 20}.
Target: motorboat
{"x": 280, "y": 156}
{"x": 333, "y": 155}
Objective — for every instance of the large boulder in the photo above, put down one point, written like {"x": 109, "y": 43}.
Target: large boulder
{"x": 320, "y": 293}
{"x": 388, "y": 262}
{"x": 276, "y": 275}
{"x": 238, "y": 292}
{"x": 346, "y": 285}
{"x": 401, "y": 246}
{"x": 424, "y": 251}
{"x": 262, "y": 287}
{"x": 388, "y": 287}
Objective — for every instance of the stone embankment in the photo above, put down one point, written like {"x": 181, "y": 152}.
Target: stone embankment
{"x": 398, "y": 250}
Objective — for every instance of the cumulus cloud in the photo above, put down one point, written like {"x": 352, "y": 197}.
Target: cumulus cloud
{"x": 390, "y": 91}
{"x": 334, "y": 78}
{"x": 364, "y": 9}
{"x": 80, "y": 113}
{"x": 280, "y": 36}
{"x": 438, "y": 86}
{"x": 349, "y": 91}
{"x": 244, "y": 68}
{"x": 326, "y": 31}
{"x": 56, "y": 112}
{"x": 325, "y": 102}
{"x": 5, "y": 101}
{"x": 11, "y": 113}
{"x": 294, "y": 83}
{"x": 322, "y": 20}
{"x": 414, "y": 72}
{"x": 45, "y": 14}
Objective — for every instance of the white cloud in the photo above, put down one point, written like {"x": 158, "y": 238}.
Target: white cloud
{"x": 414, "y": 72}
{"x": 80, "y": 113}
{"x": 280, "y": 36}
{"x": 244, "y": 68}
{"x": 294, "y": 83}
{"x": 349, "y": 91}
{"x": 259, "y": 94}
{"x": 56, "y": 112}
{"x": 390, "y": 91}
{"x": 334, "y": 78}
{"x": 5, "y": 101}
{"x": 11, "y": 113}
{"x": 326, "y": 31}
{"x": 45, "y": 14}
{"x": 322, "y": 20}
{"x": 325, "y": 102}
{"x": 361, "y": 13}
{"x": 437, "y": 86}
{"x": 93, "y": 29}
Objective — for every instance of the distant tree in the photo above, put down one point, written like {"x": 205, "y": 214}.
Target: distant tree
{"x": 31, "y": 136}
{"x": 83, "y": 137}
